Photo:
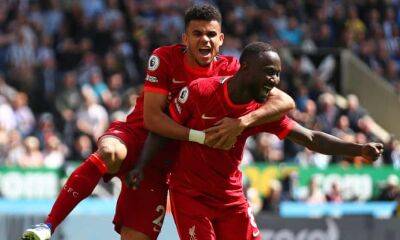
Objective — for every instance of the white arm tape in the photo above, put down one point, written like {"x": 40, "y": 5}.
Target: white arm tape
{"x": 197, "y": 136}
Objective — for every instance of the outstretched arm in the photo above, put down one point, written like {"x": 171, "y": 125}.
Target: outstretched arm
{"x": 327, "y": 144}
{"x": 153, "y": 144}
{"x": 224, "y": 134}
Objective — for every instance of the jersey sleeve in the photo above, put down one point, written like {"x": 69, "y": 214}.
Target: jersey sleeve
{"x": 233, "y": 66}
{"x": 181, "y": 107}
{"x": 281, "y": 128}
{"x": 157, "y": 72}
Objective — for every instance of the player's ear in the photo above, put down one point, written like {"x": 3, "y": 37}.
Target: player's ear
{"x": 185, "y": 39}
{"x": 243, "y": 65}
{"x": 221, "y": 39}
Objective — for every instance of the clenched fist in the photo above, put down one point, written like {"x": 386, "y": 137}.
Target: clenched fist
{"x": 372, "y": 151}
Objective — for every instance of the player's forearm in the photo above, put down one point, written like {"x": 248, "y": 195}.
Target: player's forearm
{"x": 163, "y": 125}
{"x": 330, "y": 145}
{"x": 277, "y": 105}
{"x": 153, "y": 144}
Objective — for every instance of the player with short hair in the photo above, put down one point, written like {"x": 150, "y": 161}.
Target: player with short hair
{"x": 206, "y": 189}
{"x": 139, "y": 213}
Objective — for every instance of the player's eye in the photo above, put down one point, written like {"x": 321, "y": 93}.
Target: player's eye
{"x": 197, "y": 34}
{"x": 272, "y": 72}
{"x": 211, "y": 34}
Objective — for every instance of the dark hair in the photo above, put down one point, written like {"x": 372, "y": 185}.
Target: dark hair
{"x": 206, "y": 12}
{"x": 254, "y": 49}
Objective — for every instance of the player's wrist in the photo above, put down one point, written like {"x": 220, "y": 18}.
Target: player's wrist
{"x": 243, "y": 123}
{"x": 197, "y": 136}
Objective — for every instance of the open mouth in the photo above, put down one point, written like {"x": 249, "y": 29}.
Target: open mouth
{"x": 205, "y": 52}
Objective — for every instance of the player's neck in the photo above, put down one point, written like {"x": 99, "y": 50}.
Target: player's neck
{"x": 237, "y": 91}
{"x": 191, "y": 62}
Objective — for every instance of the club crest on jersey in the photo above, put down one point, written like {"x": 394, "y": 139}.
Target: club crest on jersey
{"x": 183, "y": 95}
{"x": 154, "y": 62}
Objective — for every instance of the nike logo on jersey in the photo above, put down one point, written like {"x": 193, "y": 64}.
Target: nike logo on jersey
{"x": 255, "y": 234}
{"x": 177, "y": 82}
{"x": 207, "y": 117}
{"x": 192, "y": 233}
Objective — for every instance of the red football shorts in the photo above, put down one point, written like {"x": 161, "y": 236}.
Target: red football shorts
{"x": 143, "y": 209}
{"x": 196, "y": 221}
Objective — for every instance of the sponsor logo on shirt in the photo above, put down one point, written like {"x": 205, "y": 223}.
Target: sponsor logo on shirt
{"x": 151, "y": 78}
{"x": 183, "y": 95}
{"x": 178, "y": 107}
{"x": 154, "y": 62}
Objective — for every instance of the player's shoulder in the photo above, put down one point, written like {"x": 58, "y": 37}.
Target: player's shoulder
{"x": 231, "y": 62}
{"x": 166, "y": 56}
{"x": 207, "y": 86}
{"x": 227, "y": 58}
{"x": 169, "y": 50}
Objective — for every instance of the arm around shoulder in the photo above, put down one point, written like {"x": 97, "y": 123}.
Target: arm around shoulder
{"x": 156, "y": 120}
{"x": 277, "y": 105}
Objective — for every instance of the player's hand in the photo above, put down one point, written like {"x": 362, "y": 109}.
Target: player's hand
{"x": 224, "y": 133}
{"x": 372, "y": 151}
{"x": 134, "y": 177}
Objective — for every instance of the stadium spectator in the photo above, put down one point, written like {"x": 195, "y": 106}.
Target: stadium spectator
{"x": 273, "y": 197}
{"x": 326, "y": 119}
{"x": 15, "y": 147}
{"x": 54, "y": 152}
{"x": 99, "y": 87}
{"x": 268, "y": 148}
{"x": 342, "y": 127}
{"x": 82, "y": 148}
{"x": 392, "y": 153}
{"x": 6, "y": 90}
{"x": 91, "y": 117}
{"x": 24, "y": 117}
{"x": 46, "y": 127}
{"x": 334, "y": 195}
{"x": 315, "y": 195}
{"x": 8, "y": 119}
{"x": 32, "y": 157}
{"x": 391, "y": 189}
{"x": 116, "y": 90}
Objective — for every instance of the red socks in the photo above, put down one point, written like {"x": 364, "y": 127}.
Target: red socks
{"x": 79, "y": 186}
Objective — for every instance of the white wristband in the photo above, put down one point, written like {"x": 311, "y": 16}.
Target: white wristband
{"x": 197, "y": 136}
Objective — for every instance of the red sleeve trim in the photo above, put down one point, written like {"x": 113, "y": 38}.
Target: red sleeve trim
{"x": 155, "y": 90}
{"x": 173, "y": 114}
{"x": 287, "y": 130}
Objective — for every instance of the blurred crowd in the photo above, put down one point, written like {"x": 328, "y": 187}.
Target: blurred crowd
{"x": 317, "y": 193}
{"x": 69, "y": 67}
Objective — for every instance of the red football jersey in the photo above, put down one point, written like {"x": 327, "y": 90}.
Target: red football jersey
{"x": 168, "y": 72}
{"x": 210, "y": 174}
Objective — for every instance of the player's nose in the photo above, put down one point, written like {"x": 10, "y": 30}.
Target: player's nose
{"x": 205, "y": 38}
{"x": 272, "y": 81}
